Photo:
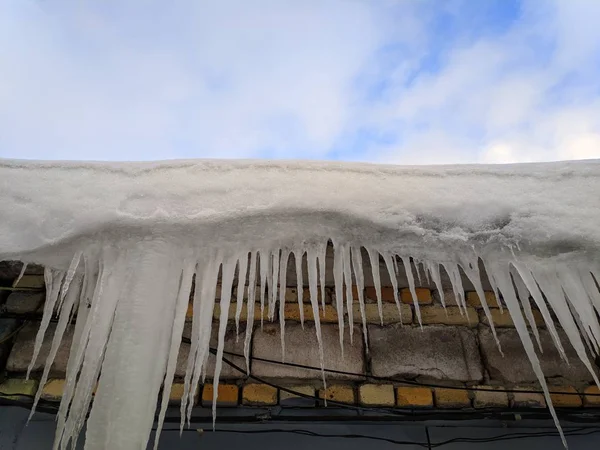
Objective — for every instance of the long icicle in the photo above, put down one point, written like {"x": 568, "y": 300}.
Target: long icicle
{"x": 283, "y": 263}
{"x": 251, "y": 302}
{"x": 298, "y": 256}
{"x": 374, "y": 261}
{"x": 239, "y": 298}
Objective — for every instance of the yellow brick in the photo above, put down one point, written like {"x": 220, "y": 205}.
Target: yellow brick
{"x": 485, "y": 399}
{"x": 451, "y": 315}
{"x": 53, "y": 390}
{"x": 527, "y": 400}
{"x": 291, "y": 295}
{"x": 474, "y": 301}
{"x": 414, "y": 397}
{"x": 306, "y": 390}
{"x": 177, "y": 393}
{"x": 387, "y": 294}
{"x": 339, "y": 393}
{"x": 31, "y": 282}
{"x": 292, "y": 312}
{"x": 592, "y": 396}
{"x": 227, "y": 395}
{"x": 502, "y": 318}
{"x": 389, "y": 310}
{"x": 14, "y": 387}
{"x": 452, "y": 398}
{"x": 376, "y": 395}
{"x": 423, "y": 296}
{"x": 259, "y": 394}
{"x": 565, "y": 400}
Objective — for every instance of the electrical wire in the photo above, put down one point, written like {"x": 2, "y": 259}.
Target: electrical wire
{"x": 581, "y": 431}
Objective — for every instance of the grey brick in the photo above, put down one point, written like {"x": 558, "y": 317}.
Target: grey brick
{"x": 515, "y": 367}
{"x": 24, "y": 303}
{"x": 301, "y": 347}
{"x": 227, "y": 372}
{"x": 438, "y": 352}
{"x": 22, "y": 351}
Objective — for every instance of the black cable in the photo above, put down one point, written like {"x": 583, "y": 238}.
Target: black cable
{"x": 581, "y": 431}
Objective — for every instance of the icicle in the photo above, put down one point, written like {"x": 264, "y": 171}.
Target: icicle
{"x": 203, "y": 306}
{"x": 523, "y": 294}
{"x": 322, "y": 259}
{"x": 53, "y": 284}
{"x": 338, "y": 280}
{"x": 311, "y": 259}
{"x": 427, "y": 273}
{"x": 374, "y": 261}
{"x": 298, "y": 254}
{"x": 274, "y": 281}
{"x": 581, "y": 302}
{"x": 228, "y": 272}
{"x": 471, "y": 269}
{"x": 538, "y": 298}
{"x": 93, "y": 275}
{"x": 90, "y": 355}
{"x": 185, "y": 287}
{"x": 68, "y": 278}
{"x": 264, "y": 265}
{"x": 357, "y": 268}
{"x": 251, "y": 302}
{"x": 434, "y": 270}
{"x": 411, "y": 286}
{"x": 502, "y": 277}
{"x": 590, "y": 287}
{"x": 283, "y": 263}
{"x": 556, "y": 298}
{"x": 457, "y": 286}
{"x": 242, "y": 272}
{"x": 391, "y": 268}
{"x": 21, "y": 273}
{"x": 135, "y": 357}
{"x": 418, "y": 270}
{"x": 347, "y": 268}
{"x": 61, "y": 326}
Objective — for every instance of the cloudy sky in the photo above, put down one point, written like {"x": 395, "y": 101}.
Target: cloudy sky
{"x": 396, "y": 81}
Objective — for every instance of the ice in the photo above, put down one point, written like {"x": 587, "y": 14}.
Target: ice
{"x": 374, "y": 261}
{"x": 242, "y": 273}
{"x": 124, "y": 264}
{"x": 411, "y": 286}
{"x": 298, "y": 256}
{"x": 251, "y": 303}
{"x": 283, "y": 263}
{"x": 338, "y": 279}
{"x": 357, "y": 267}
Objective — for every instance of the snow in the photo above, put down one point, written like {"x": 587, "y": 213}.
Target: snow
{"x": 122, "y": 243}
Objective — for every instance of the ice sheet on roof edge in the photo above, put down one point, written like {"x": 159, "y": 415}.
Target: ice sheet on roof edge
{"x": 533, "y": 226}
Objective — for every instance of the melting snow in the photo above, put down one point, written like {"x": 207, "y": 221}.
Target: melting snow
{"x": 123, "y": 242}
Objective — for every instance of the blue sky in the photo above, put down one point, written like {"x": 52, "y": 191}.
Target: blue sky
{"x": 394, "y": 81}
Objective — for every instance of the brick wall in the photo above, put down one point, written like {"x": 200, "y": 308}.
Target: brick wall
{"x": 394, "y": 364}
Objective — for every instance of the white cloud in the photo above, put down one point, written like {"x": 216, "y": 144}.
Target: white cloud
{"x": 506, "y": 98}
{"x": 139, "y": 79}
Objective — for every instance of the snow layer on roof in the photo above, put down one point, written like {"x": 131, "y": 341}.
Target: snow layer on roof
{"x": 122, "y": 243}
{"x": 547, "y": 208}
